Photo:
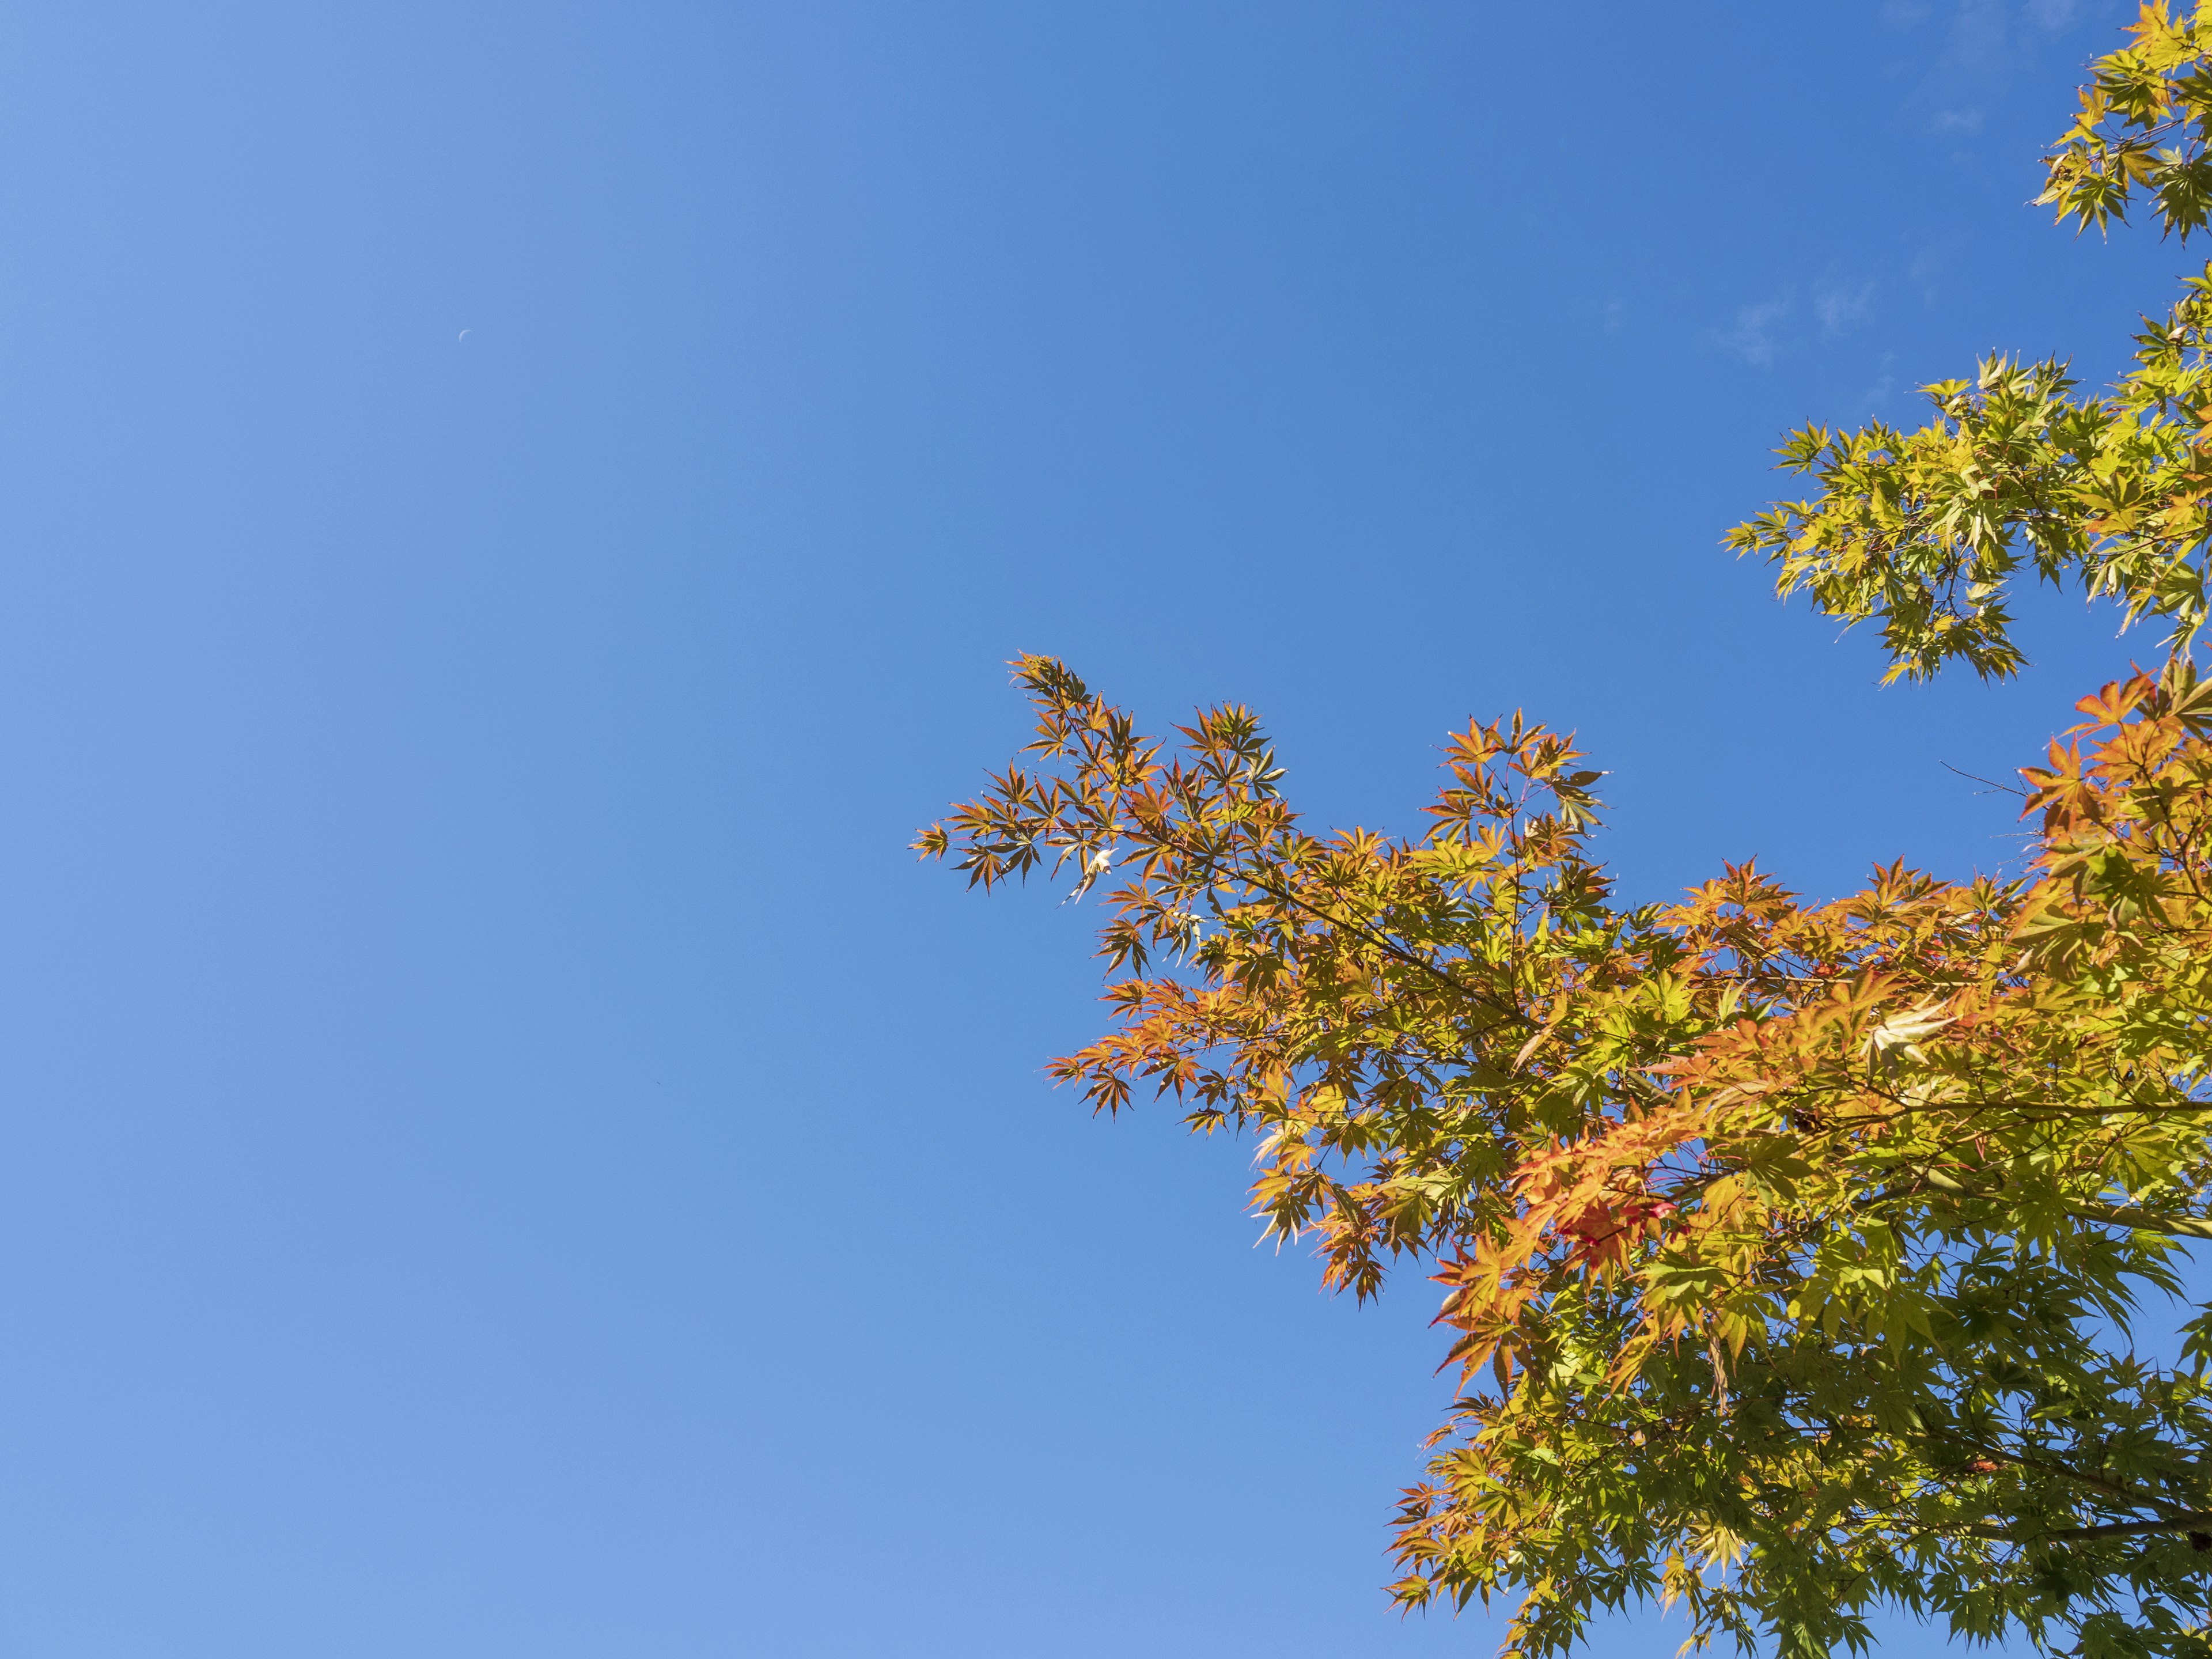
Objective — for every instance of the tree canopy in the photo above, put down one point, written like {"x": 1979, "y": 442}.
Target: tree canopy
{"x": 1793, "y": 1253}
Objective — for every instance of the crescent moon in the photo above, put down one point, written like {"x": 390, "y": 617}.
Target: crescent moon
{"x": 463, "y": 334}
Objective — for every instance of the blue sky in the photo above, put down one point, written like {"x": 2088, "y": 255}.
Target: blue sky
{"x": 512, "y": 517}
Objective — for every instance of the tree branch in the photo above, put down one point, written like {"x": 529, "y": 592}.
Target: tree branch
{"x": 2198, "y": 1525}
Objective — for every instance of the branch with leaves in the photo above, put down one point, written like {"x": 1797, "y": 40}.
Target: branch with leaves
{"x": 1790, "y": 1254}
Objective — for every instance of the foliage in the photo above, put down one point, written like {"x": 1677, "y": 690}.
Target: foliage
{"x": 1923, "y": 529}
{"x": 2154, "y": 89}
{"x": 1792, "y": 1252}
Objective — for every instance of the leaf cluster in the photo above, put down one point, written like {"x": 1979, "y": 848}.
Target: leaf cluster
{"x": 2141, "y": 129}
{"x": 1790, "y": 1251}
{"x": 1925, "y": 531}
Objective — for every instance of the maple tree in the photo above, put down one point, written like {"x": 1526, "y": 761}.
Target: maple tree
{"x": 1792, "y": 1253}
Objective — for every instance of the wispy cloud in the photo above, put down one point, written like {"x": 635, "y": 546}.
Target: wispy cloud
{"x": 1755, "y": 337}
{"x": 1973, "y": 48}
{"x": 1928, "y": 264}
{"x": 1885, "y": 384}
{"x": 1841, "y": 306}
{"x": 1980, "y": 34}
{"x": 1986, "y": 35}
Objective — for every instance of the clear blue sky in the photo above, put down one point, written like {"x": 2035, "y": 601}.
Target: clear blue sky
{"x": 502, "y": 1150}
